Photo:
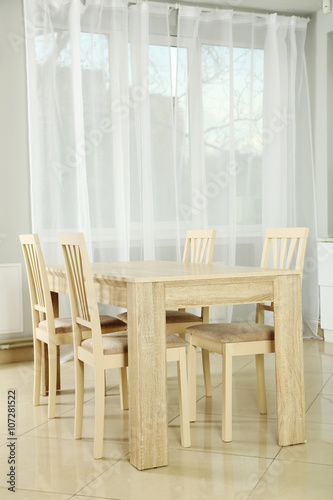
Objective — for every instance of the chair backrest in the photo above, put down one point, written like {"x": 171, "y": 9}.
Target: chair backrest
{"x": 82, "y": 293}
{"x": 283, "y": 242}
{"x": 40, "y": 295}
{"x": 199, "y": 246}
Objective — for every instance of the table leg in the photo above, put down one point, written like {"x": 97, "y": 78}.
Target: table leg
{"x": 147, "y": 375}
{"x": 289, "y": 360}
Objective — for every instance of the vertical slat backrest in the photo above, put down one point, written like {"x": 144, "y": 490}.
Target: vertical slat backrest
{"x": 283, "y": 242}
{"x": 199, "y": 246}
{"x": 84, "y": 308}
{"x": 74, "y": 261}
{"x": 39, "y": 289}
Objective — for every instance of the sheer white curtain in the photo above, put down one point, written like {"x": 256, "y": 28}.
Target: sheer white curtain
{"x": 146, "y": 120}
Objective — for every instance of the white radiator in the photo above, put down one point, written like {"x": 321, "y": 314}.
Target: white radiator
{"x": 11, "y": 303}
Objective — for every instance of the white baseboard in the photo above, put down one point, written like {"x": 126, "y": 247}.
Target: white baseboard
{"x": 328, "y": 335}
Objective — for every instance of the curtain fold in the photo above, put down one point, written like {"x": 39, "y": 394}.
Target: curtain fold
{"x": 147, "y": 120}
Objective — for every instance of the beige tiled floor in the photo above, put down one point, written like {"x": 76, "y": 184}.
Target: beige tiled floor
{"x": 52, "y": 465}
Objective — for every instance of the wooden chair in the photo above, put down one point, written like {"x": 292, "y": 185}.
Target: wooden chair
{"x": 199, "y": 246}
{"x": 46, "y": 328}
{"x": 103, "y": 352}
{"x": 239, "y": 339}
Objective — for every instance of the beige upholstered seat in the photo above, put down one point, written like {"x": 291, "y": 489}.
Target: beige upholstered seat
{"x": 64, "y": 325}
{"x": 234, "y": 332}
{"x": 116, "y": 343}
{"x": 46, "y": 328}
{"x": 172, "y": 317}
{"x": 245, "y": 338}
{"x": 61, "y": 325}
{"x": 103, "y": 352}
{"x": 181, "y": 317}
{"x": 112, "y": 343}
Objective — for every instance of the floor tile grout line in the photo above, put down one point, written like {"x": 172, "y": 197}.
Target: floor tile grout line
{"x": 42, "y": 491}
{"x": 321, "y": 390}
{"x": 44, "y": 423}
{"x": 227, "y": 454}
{"x": 101, "y": 474}
{"x": 61, "y": 414}
{"x": 278, "y": 453}
{"x": 303, "y": 462}
{"x": 280, "y": 461}
{"x": 69, "y": 495}
{"x": 247, "y": 364}
{"x": 84, "y": 439}
{"x": 260, "y": 416}
{"x": 259, "y": 480}
{"x": 55, "y": 418}
{"x": 94, "y": 498}
{"x": 262, "y": 477}
{"x": 311, "y": 404}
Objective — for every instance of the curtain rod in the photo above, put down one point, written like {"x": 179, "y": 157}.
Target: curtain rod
{"x": 211, "y": 9}
{"x": 176, "y": 6}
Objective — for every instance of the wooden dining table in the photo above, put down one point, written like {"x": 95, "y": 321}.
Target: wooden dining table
{"x": 147, "y": 288}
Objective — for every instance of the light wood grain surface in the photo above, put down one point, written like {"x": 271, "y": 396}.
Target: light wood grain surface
{"x": 165, "y": 271}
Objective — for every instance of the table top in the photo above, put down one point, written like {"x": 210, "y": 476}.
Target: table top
{"x": 164, "y": 271}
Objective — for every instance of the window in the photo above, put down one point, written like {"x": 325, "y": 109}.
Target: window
{"x": 232, "y": 99}
{"x": 221, "y": 126}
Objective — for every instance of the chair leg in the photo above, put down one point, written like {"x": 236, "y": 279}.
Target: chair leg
{"x": 79, "y": 395}
{"x": 260, "y": 368}
{"x": 227, "y": 396}
{"x": 52, "y": 348}
{"x": 206, "y": 372}
{"x": 123, "y": 388}
{"x": 183, "y": 399}
{"x": 99, "y": 412}
{"x": 37, "y": 371}
{"x": 192, "y": 379}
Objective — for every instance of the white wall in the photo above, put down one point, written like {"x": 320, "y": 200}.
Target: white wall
{"x": 319, "y": 61}
{"x": 14, "y": 172}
